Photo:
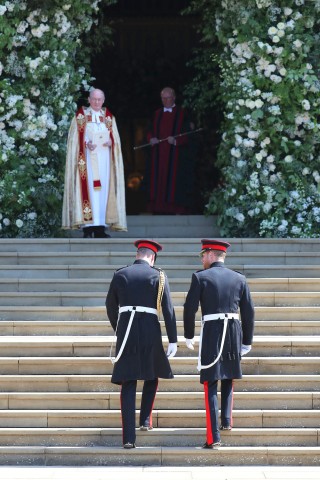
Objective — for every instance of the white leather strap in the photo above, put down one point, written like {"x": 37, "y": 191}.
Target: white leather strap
{"x": 130, "y": 308}
{"x": 207, "y": 318}
{"x": 219, "y": 316}
{"x": 133, "y": 310}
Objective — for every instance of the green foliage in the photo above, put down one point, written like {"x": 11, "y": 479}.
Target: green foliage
{"x": 44, "y": 59}
{"x": 270, "y": 90}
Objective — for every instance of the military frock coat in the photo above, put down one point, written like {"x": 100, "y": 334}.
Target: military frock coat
{"x": 143, "y": 357}
{"x": 220, "y": 290}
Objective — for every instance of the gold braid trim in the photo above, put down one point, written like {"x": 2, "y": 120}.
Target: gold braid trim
{"x": 162, "y": 280}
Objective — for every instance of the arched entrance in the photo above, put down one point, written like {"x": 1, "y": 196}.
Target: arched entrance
{"x": 153, "y": 43}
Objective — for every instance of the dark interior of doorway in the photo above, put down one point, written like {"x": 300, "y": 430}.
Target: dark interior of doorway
{"x": 153, "y": 43}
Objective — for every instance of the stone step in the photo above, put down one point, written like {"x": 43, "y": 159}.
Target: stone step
{"x": 165, "y": 258}
{"x": 180, "y": 383}
{"x": 173, "y": 271}
{"x": 89, "y": 313}
{"x": 297, "y": 400}
{"x": 93, "y": 346}
{"x": 262, "y": 299}
{"x": 160, "y": 418}
{"x": 57, "y": 403}
{"x": 102, "y": 327}
{"x": 180, "y": 285}
{"x": 159, "y": 456}
{"x": 168, "y": 437}
{"x": 180, "y": 365}
{"x": 176, "y": 244}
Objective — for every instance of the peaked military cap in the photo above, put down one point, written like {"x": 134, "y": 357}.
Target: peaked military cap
{"x": 214, "y": 245}
{"x": 151, "y": 244}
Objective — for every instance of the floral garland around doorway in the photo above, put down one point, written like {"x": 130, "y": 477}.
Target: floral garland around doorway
{"x": 270, "y": 150}
{"x": 43, "y": 69}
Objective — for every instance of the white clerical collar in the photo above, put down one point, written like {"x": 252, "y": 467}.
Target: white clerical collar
{"x": 95, "y": 116}
{"x": 165, "y": 109}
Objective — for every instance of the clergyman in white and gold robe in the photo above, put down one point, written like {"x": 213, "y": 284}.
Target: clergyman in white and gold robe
{"x": 94, "y": 190}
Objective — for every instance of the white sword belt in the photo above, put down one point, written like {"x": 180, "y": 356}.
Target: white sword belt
{"x": 133, "y": 310}
{"x": 207, "y": 318}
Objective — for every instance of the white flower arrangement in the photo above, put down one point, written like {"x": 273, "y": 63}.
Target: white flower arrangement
{"x": 271, "y": 148}
{"x": 40, "y": 80}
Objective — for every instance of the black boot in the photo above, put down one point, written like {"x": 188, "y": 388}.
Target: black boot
{"x": 87, "y": 232}
{"x": 100, "y": 233}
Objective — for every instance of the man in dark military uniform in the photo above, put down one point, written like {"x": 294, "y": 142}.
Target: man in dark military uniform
{"x": 224, "y": 338}
{"x": 136, "y": 295}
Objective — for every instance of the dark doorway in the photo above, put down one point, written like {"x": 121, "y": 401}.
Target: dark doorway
{"x": 152, "y": 44}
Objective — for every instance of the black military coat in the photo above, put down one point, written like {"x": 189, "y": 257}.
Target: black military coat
{"x": 143, "y": 357}
{"x": 220, "y": 290}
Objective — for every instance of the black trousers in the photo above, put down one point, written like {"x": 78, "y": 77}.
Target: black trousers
{"x": 212, "y": 408}
{"x": 128, "y": 407}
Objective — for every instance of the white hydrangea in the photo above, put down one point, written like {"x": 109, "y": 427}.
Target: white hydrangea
{"x": 235, "y": 152}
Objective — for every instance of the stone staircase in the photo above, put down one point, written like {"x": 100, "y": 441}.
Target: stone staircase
{"x": 57, "y": 405}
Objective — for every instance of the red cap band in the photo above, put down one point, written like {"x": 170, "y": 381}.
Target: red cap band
{"x": 214, "y": 247}
{"x": 148, "y": 245}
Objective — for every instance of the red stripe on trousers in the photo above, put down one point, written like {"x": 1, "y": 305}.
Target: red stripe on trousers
{"x": 208, "y": 415}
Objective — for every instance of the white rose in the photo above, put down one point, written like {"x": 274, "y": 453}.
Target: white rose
{"x": 250, "y": 104}
{"x": 297, "y": 43}
{"x": 258, "y": 103}
{"x": 276, "y": 39}
{"x": 287, "y": 11}
{"x": 19, "y": 223}
{"x": 288, "y": 159}
{"x": 272, "y": 31}
{"x": 281, "y": 26}
{"x": 283, "y": 71}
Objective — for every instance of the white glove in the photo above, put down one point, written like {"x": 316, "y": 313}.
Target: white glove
{"x": 189, "y": 343}
{"x": 172, "y": 350}
{"x": 245, "y": 349}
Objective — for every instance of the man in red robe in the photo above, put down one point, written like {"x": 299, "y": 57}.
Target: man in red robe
{"x": 169, "y": 176}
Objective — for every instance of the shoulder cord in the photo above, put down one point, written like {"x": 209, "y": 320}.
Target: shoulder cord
{"x": 162, "y": 281}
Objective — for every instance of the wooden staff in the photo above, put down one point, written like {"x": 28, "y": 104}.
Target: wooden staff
{"x": 165, "y": 139}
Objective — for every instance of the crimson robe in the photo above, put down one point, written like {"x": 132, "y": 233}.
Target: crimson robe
{"x": 169, "y": 172}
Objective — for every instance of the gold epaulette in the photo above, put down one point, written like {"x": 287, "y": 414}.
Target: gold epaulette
{"x": 162, "y": 281}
